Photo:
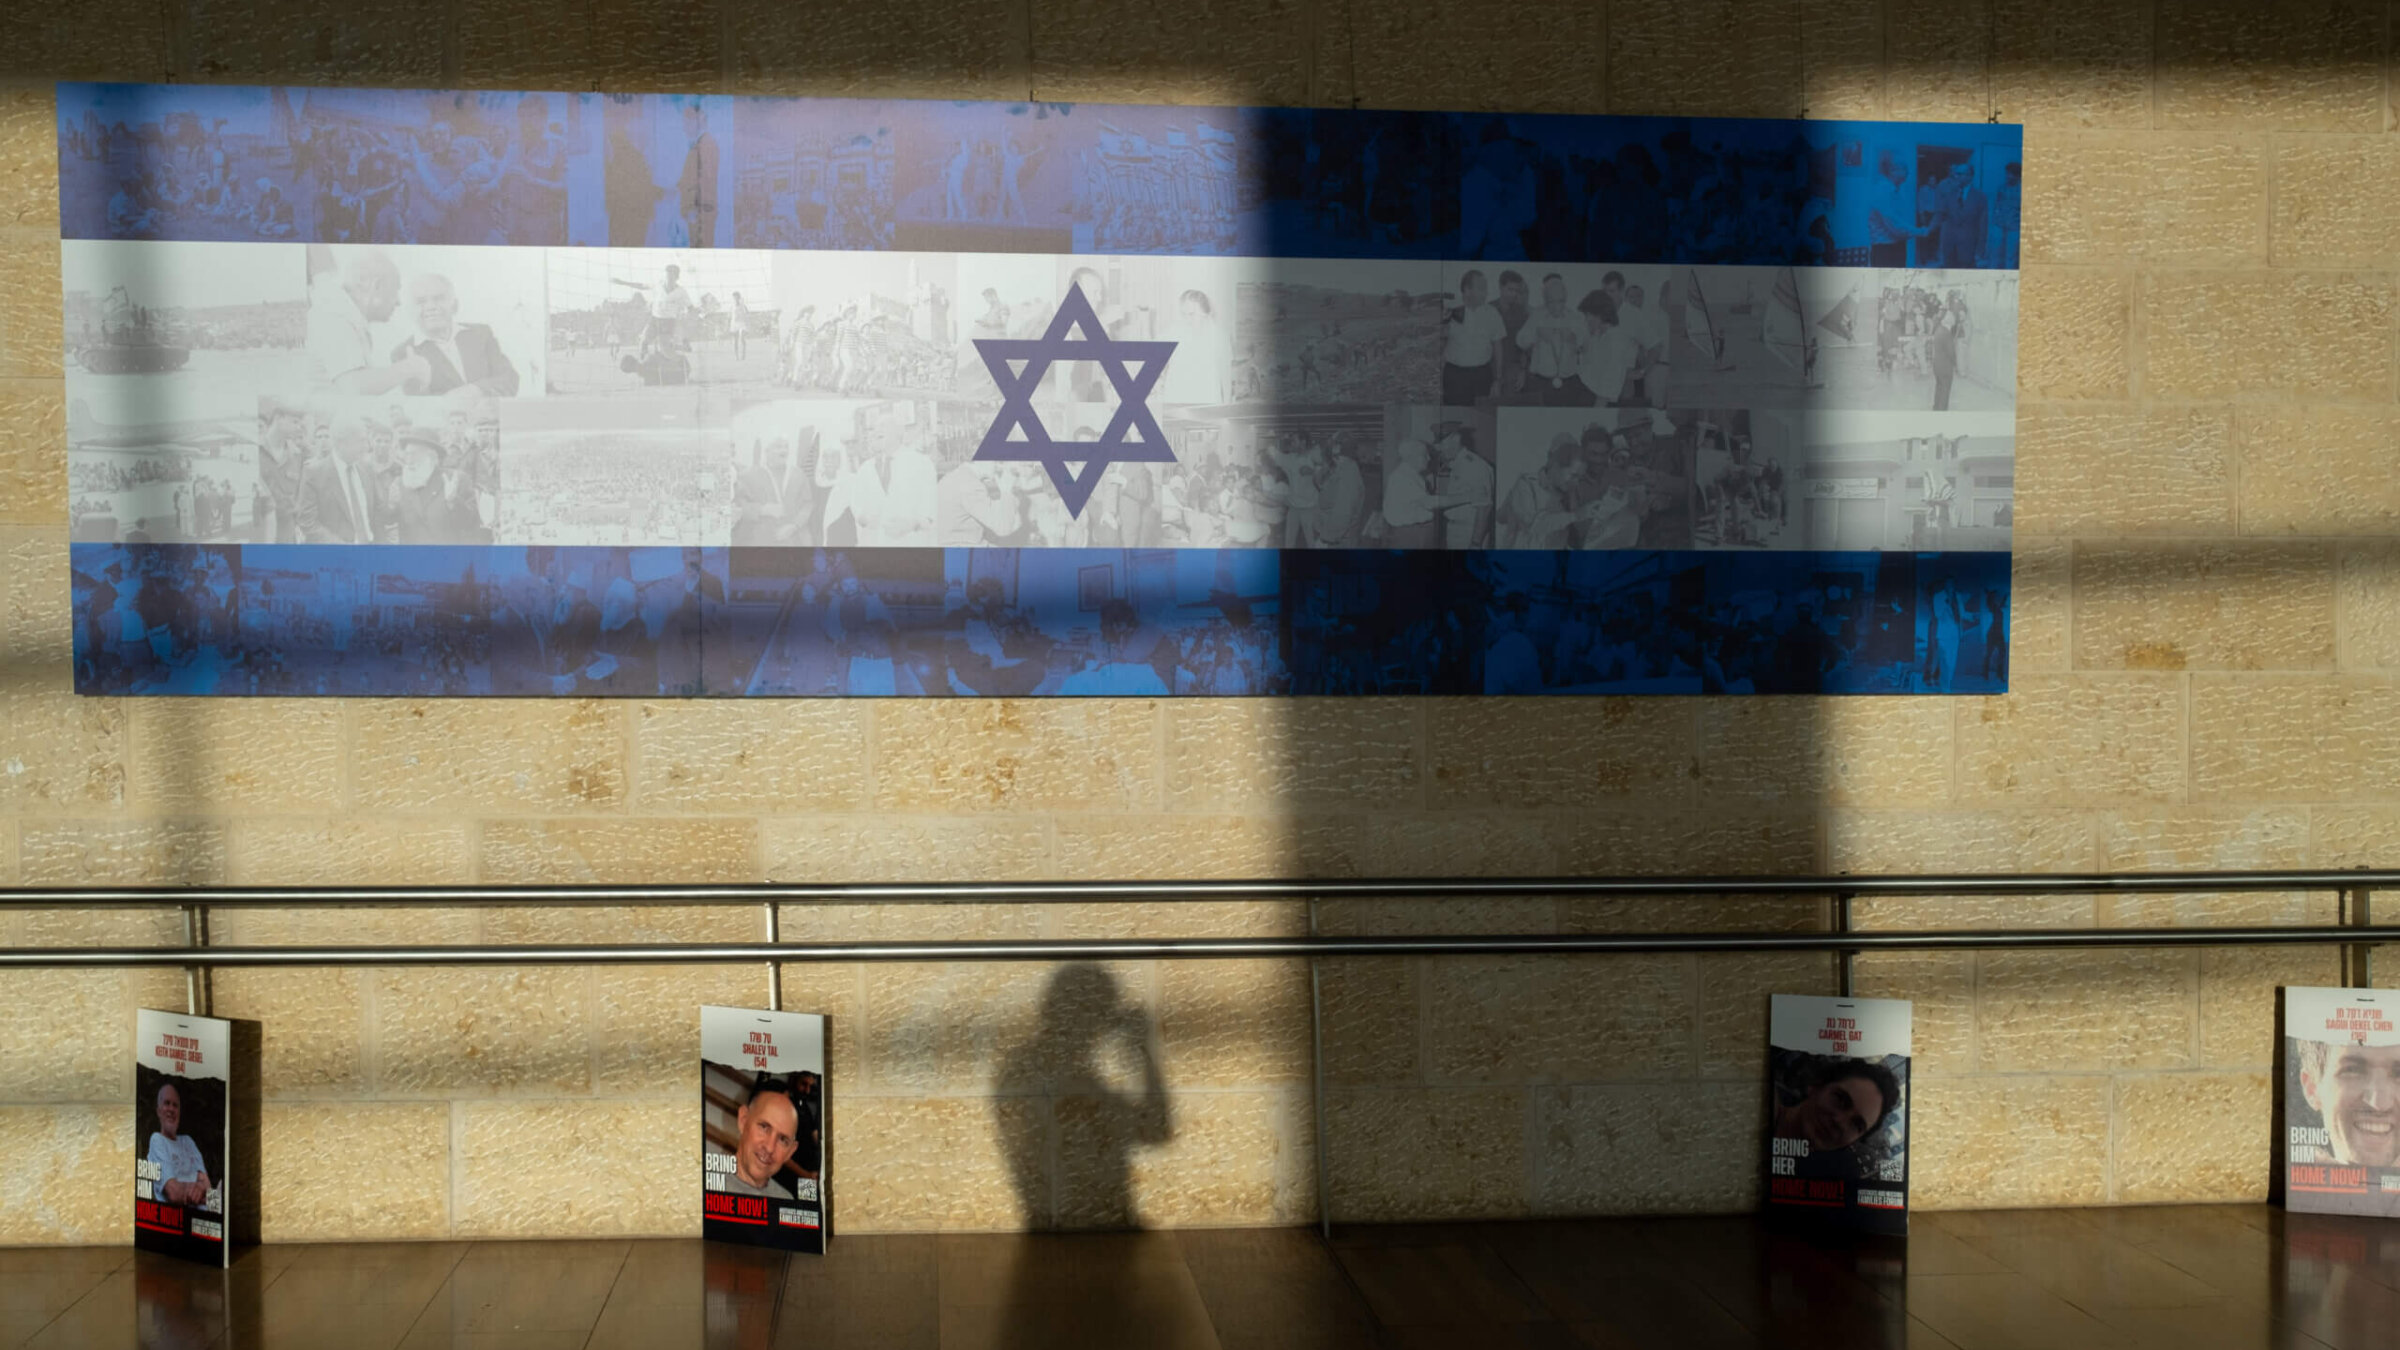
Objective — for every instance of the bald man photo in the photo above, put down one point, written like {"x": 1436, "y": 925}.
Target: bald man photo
{"x": 344, "y": 304}
{"x": 456, "y": 355}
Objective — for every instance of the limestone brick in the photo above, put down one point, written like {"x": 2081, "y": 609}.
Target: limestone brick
{"x": 1735, "y": 989}
{"x": 768, "y": 757}
{"x": 625, "y": 852}
{"x": 331, "y": 925}
{"x": 1940, "y": 987}
{"x": 2041, "y": 603}
{"x": 1178, "y": 919}
{"x": 2071, "y": 64}
{"x": 37, "y": 638}
{"x": 1370, "y": 1020}
{"x": 65, "y": 1183}
{"x": 1841, "y": 58}
{"x": 2212, "y": 606}
{"x": 1446, "y": 843}
{"x": 1837, "y": 752}
{"x": 1006, "y": 1026}
{"x": 473, "y": 1031}
{"x": 1726, "y": 839}
{"x": 2222, "y": 334}
{"x": 1426, "y": 1154}
{"x": 647, "y": 1031}
{"x": 1173, "y": 848}
{"x": 2065, "y": 740}
{"x": 2183, "y": 840}
{"x": 2125, "y": 471}
{"x": 623, "y": 923}
{"x": 836, "y": 990}
{"x": 840, "y": 922}
{"x": 527, "y": 46}
{"x": 1017, "y": 754}
{"x": 674, "y": 45}
{"x": 349, "y": 851}
{"x": 2062, "y": 1011}
{"x": 91, "y": 40}
{"x": 61, "y": 753}
{"x": 2161, "y": 198}
{"x": 1937, "y": 62}
{"x": 595, "y": 1169}
{"x": 2273, "y": 738}
{"x": 2354, "y": 836}
{"x": 2333, "y": 203}
{"x": 1682, "y": 914}
{"x": 456, "y": 755}
{"x": 1146, "y": 51}
{"x": 67, "y": 1030}
{"x": 2316, "y": 470}
{"x": 1287, "y": 754}
{"x": 2366, "y": 600}
{"x": 236, "y": 755}
{"x": 311, "y": 1188}
{"x": 30, "y": 300}
{"x": 33, "y": 440}
{"x": 2073, "y": 333}
{"x": 1715, "y": 59}
{"x": 2008, "y": 1142}
{"x": 1536, "y": 1019}
{"x": 2314, "y": 66}
{"x": 918, "y": 49}
{"x": 311, "y": 1025}
{"x": 120, "y": 852}
{"x": 836, "y": 849}
{"x": 1233, "y": 1023}
{"x": 1583, "y": 752}
{"x": 943, "y": 1164}
{"x": 2238, "y": 998}
{"x": 1417, "y": 916}
{"x": 1227, "y": 1159}
{"x": 1464, "y": 55}
{"x": 1601, "y": 1149}
{"x": 293, "y": 41}
{"x": 2182, "y": 1138}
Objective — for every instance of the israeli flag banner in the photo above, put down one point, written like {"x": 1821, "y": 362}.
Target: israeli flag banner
{"x": 407, "y": 392}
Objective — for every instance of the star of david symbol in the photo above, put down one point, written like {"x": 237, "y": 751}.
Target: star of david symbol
{"x": 1133, "y": 436}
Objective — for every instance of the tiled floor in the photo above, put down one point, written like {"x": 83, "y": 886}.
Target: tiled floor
{"x": 2174, "y": 1279}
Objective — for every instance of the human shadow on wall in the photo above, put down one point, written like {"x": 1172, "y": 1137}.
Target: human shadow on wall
{"x": 1094, "y": 1048}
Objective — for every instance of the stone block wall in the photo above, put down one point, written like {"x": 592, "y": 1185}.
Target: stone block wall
{"x": 2207, "y": 630}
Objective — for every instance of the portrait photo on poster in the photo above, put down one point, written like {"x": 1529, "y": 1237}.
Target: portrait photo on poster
{"x": 765, "y": 1165}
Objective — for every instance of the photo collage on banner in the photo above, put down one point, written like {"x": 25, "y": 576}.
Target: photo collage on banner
{"x": 436, "y": 393}
{"x": 1837, "y": 1111}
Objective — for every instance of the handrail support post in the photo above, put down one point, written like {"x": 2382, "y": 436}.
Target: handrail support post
{"x": 2358, "y": 958}
{"x": 774, "y": 968}
{"x": 1847, "y": 970}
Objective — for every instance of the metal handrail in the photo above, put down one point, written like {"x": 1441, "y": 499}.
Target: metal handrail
{"x": 2353, "y": 933}
{"x": 1167, "y": 949}
{"x": 1073, "y": 892}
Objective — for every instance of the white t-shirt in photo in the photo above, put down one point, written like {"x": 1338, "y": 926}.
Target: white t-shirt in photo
{"x": 1469, "y": 340}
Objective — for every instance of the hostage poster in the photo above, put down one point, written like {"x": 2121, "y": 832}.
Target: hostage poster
{"x": 1837, "y": 1122}
{"x": 763, "y": 1136}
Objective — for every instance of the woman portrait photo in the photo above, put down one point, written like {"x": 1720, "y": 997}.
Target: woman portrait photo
{"x": 1850, "y": 1112}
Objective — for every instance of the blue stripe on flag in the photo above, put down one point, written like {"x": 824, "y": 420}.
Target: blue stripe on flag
{"x": 642, "y": 623}
{"x": 199, "y": 162}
